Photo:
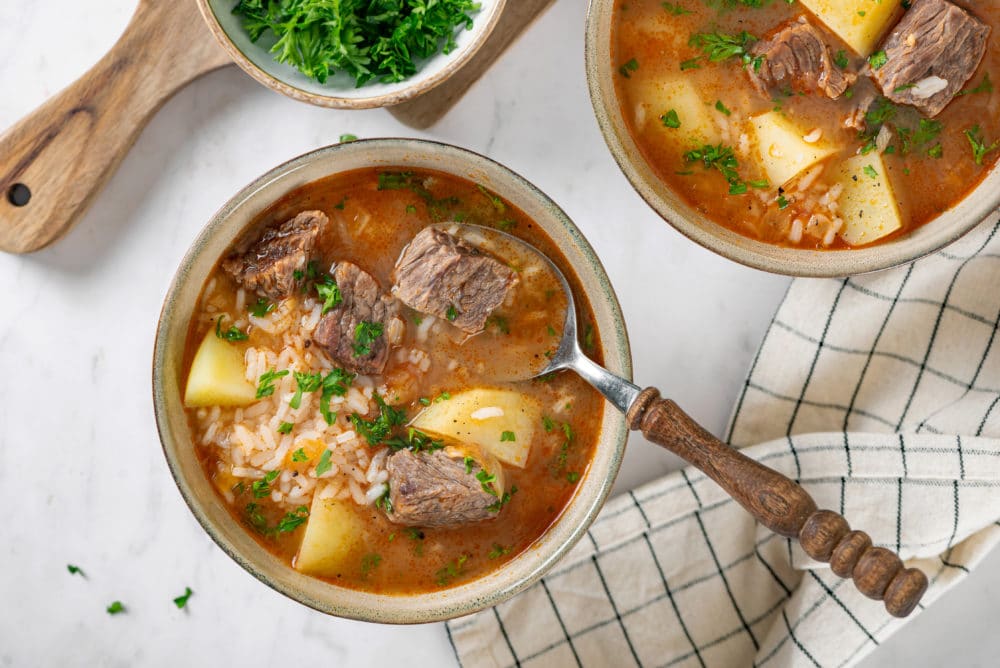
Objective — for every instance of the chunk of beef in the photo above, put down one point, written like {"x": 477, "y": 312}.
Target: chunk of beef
{"x": 362, "y": 302}
{"x": 430, "y": 489}
{"x": 796, "y": 55}
{"x": 269, "y": 266}
{"x": 931, "y": 54}
{"x": 444, "y": 276}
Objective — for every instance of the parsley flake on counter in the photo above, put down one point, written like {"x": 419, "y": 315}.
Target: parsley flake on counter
{"x": 75, "y": 570}
{"x": 115, "y": 608}
{"x": 181, "y": 601}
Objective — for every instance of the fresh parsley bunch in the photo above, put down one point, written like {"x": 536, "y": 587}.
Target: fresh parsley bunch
{"x": 367, "y": 39}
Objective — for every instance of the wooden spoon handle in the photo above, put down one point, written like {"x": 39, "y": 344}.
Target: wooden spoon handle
{"x": 54, "y": 161}
{"x": 782, "y": 505}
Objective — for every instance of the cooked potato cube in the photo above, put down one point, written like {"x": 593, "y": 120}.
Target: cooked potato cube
{"x": 783, "y": 151}
{"x": 860, "y": 23}
{"x": 334, "y": 535}
{"x": 868, "y": 203}
{"x": 697, "y": 123}
{"x": 502, "y": 422}
{"x": 218, "y": 376}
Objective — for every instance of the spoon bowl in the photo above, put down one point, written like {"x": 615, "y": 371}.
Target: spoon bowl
{"x": 776, "y": 501}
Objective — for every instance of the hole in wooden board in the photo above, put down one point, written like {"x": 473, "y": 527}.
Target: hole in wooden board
{"x": 19, "y": 194}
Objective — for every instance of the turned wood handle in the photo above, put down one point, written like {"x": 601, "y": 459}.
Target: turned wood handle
{"x": 56, "y": 159}
{"x": 782, "y": 505}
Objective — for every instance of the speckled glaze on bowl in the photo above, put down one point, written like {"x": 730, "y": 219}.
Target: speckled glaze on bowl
{"x": 981, "y": 204}
{"x": 210, "y": 510}
{"x": 339, "y": 91}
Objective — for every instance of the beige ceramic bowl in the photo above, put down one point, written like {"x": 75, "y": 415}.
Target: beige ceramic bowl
{"x": 950, "y": 226}
{"x": 168, "y": 378}
{"x": 339, "y": 91}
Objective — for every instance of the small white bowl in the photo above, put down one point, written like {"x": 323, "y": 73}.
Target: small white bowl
{"x": 339, "y": 91}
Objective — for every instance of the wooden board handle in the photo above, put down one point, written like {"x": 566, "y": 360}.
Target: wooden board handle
{"x": 54, "y": 161}
{"x": 782, "y": 505}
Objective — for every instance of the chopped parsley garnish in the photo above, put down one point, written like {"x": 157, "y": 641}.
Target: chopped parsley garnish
{"x": 723, "y": 108}
{"x": 377, "y": 430}
{"x": 182, "y": 600}
{"x": 675, "y": 9}
{"x": 691, "y": 64}
{"x": 370, "y": 562}
{"x": 782, "y": 202}
{"x": 502, "y": 501}
{"x": 979, "y": 148}
{"x": 572, "y": 476}
{"x": 365, "y": 334}
{"x": 115, "y": 608}
{"x": 231, "y": 334}
{"x": 841, "y": 60}
{"x": 262, "y": 307}
{"x": 336, "y": 384}
{"x": 414, "y": 440}
{"x": 671, "y": 119}
{"x": 329, "y": 292}
{"x": 878, "y": 60}
{"x": 927, "y": 131}
{"x": 451, "y": 314}
{"x": 902, "y": 87}
{"x": 451, "y": 571}
{"x": 384, "y": 502}
{"x": 870, "y": 171}
{"x": 444, "y": 396}
{"x": 305, "y": 382}
{"x": 293, "y": 520}
{"x": 265, "y": 384}
{"x": 494, "y": 199}
{"x": 723, "y": 159}
{"x": 720, "y": 46}
{"x": 262, "y": 488}
{"x": 381, "y": 41}
{"x": 499, "y": 322}
{"x": 507, "y": 436}
{"x": 324, "y": 464}
{"x": 348, "y": 138}
{"x": 497, "y": 551}
{"x": 469, "y": 463}
{"x": 985, "y": 87}
{"x": 548, "y": 423}
{"x": 485, "y": 478}
{"x": 935, "y": 151}
{"x": 286, "y": 428}
{"x": 75, "y": 570}
{"x": 629, "y": 67}
{"x": 300, "y": 456}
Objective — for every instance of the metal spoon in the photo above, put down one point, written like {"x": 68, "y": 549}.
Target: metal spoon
{"x": 774, "y": 500}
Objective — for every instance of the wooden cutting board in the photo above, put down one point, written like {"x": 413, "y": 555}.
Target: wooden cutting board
{"x": 57, "y": 159}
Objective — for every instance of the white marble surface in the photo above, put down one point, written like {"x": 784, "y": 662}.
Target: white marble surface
{"x": 80, "y": 463}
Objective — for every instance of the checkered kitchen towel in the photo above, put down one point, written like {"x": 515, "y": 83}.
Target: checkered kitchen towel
{"x": 881, "y": 394}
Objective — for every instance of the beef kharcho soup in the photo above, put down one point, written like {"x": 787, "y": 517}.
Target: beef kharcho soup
{"x": 342, "y": 388}
{"x": 812, "y": 123}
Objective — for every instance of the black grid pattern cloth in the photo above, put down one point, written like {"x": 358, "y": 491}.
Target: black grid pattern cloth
{"x": 881, "y": 395}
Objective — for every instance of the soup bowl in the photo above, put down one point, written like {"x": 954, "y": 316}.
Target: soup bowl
{"x": 339, "y": 91}
{"x": 169, "y": 370}
{"x": 979, "y": 205}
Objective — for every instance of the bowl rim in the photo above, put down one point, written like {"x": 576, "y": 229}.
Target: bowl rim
{"x": 978, "y": 205}
{"x": 415, "y": 89}
{"x": 615, "y": 344}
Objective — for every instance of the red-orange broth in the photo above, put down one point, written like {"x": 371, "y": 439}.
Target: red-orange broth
{"x": 370, "y": 226}
{"x": 653, "y": 54}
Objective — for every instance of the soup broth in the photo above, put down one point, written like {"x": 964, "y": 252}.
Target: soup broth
{"x": 786, "y": 164}
{"x": 274, "y": 465}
